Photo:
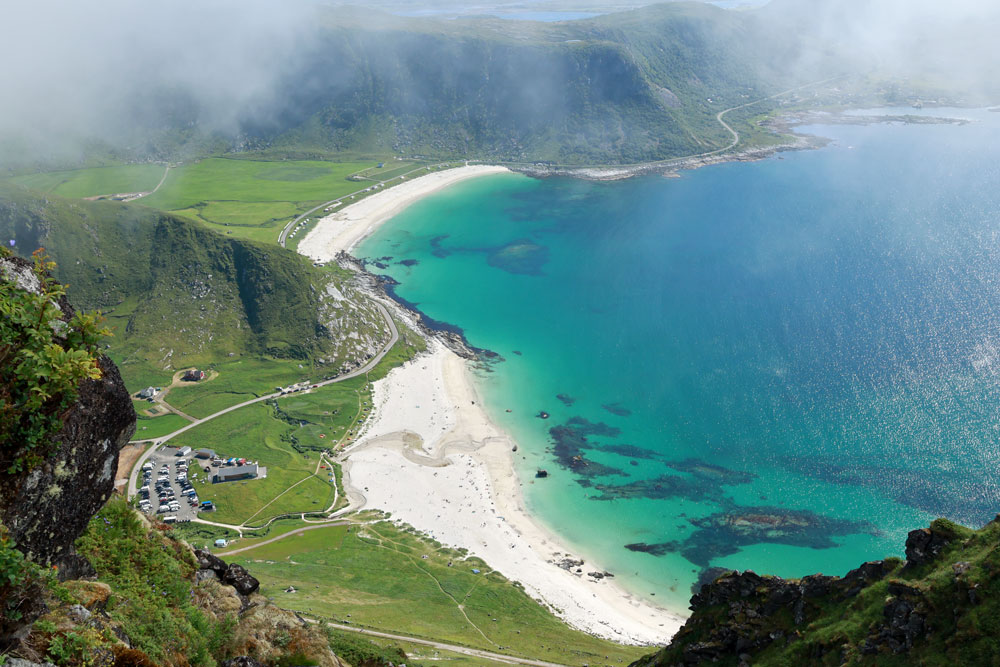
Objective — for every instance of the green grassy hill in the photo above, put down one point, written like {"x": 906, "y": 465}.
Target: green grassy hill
{"x": 939, "y": 607}
{"x": 177, "y": 294}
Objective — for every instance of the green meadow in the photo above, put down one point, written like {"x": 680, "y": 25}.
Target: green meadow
{"x": 255, "y": 198}
{"x": 77, "y": 183}
{"x": 155, "y": 427}
{"x": 239, "y": 380}
{"x": 382, "y": 577}
{"x": 223, "y": 179}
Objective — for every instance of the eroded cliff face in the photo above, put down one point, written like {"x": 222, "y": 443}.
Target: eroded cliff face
{"x": 48, "y": 507}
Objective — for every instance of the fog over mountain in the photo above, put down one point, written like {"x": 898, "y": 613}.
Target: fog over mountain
{"x": 129, "y": 73}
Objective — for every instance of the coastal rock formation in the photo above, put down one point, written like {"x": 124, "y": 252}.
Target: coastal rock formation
{"x": 930, "y": 609}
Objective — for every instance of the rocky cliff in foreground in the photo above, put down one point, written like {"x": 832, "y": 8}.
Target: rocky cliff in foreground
{"x": 938, "y": 607}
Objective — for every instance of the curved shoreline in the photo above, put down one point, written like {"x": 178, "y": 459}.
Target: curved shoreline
{"x": 433, "y": 458}
{"x": 343, "y": 230}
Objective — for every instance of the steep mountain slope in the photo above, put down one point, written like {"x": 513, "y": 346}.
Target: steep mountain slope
{"x": 940, "y": 607}
{"x": 635, "y": 86}
{"x": 179, "y": 294}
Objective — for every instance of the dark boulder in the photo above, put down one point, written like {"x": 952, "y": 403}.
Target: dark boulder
{"x": 231, "y": 575}
{"x": 238, "y": 577}
{"x": 924, "y": 544}
{"x": 46, "y": 508}
{"x": 242, "y": 661}
{"x": 209, "y": 561}
{"x": 78, "y": 476}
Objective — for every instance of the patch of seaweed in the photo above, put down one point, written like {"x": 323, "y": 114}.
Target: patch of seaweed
{"x": 617, "y": 409}
{"x": 711, "y": 472}
{"x": 522, "y": 256}
{"x": 725, "y": 533}
{"x": 437, "y": 247}
{"x": 969, "y": 498}
{"x": 570, "y": 441}
{"x": 661, "y": 488}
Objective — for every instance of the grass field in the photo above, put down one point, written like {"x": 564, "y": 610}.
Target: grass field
{"x": 426, "y": 655}
{"x": 376, "y": 576}
{"x": 255, "y": 434}
{"x": 199, "y": 535}
{"x": 253, "y": 198}
{"x": 95, "y": 181}
{"x": 259, "y": 221}
{"x": 154, "y": 427}
{"x": 225, "y": 180}
{"x": 239, "y": 380}
{"x": 284, "y": 435}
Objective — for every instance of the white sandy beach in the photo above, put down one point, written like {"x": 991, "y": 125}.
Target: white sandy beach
{"x": 431, "y": 457}
{"x": 344, "y": 229}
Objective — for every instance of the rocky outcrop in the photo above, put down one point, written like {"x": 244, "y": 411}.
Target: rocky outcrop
{"x": 230, "y": 575}
{"x": 904, "y": 621}
{"x": 242, "y": 661}
{"x": 746, "y": 605}
{"x": 47, "y": 507}
{"x": 925, "y": 544}
{"x": 947, "y": 586}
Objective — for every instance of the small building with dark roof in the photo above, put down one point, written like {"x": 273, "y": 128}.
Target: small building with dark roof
{"x": 233, "y": 473}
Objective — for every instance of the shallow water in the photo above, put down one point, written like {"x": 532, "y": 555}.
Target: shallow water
{"x": 781, "y": 366}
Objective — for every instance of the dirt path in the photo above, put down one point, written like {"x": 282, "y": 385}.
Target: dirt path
{"x": 283, "y": 536}
{"x": 166, "y": 172}
{"x": 464, "y": 650}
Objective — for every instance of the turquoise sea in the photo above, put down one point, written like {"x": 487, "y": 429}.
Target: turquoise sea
{"x": 781, "y": 366}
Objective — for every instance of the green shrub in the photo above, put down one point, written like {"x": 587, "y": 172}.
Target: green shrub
{"x": 360, "y": 651}
{"x": 42, "y": 362}
{"x": 152, "y": 596}
{"x": 20, "y": 578}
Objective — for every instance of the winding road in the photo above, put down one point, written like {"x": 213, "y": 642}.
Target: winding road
{"x": 283, "y": 236}
{"x": 720, "y": 117}
{"x": 369, "y": 365}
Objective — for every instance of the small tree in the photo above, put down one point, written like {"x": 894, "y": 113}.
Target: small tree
{"x": 43, "y": 360}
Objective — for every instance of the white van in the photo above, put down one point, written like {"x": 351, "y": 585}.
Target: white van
{"x": 170, "y": 519}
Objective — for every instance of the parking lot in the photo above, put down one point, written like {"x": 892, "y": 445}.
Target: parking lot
{"x": 169, "y": 486}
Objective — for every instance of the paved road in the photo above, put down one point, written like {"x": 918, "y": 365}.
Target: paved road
{"x": 720, "y": 117}
{"x": 464, "y": 650}
{"x": 283, "y": 236}
{"x": 132, "y": 486}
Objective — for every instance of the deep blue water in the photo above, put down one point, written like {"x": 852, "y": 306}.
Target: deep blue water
{"x": 782, "y": 366}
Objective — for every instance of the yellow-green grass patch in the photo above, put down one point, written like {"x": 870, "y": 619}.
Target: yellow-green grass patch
{"x": 377, "y": 577}
{"x": 220, "y": 179}
{"x": 91, "y": 182}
